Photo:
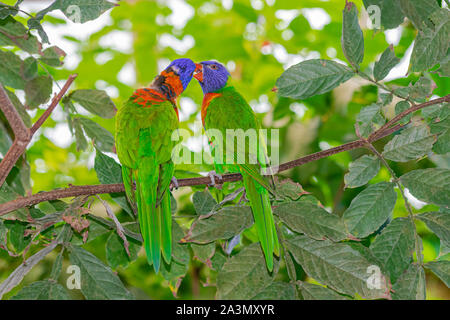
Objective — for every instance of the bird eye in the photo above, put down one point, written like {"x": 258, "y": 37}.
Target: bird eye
{"x": 213, "y": 66}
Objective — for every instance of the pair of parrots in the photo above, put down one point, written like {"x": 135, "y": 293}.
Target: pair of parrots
{"x": 144, "y": 125}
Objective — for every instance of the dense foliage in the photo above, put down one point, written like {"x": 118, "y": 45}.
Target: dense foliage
{"x": 370, "y": 223}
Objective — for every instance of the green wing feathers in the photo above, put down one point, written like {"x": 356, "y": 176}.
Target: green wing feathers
{"x": 229, "y": 110}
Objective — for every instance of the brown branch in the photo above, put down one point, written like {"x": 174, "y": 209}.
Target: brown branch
{"x": 19, "y": 128}
{"x": 74, "y": 191}
{"x": 23, "y": 135}
{"x": 414, "y": 108}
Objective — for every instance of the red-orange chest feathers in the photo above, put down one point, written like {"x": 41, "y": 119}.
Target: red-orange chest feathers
{"x": 147, "y": 97}
{"x": 206, "y": 101}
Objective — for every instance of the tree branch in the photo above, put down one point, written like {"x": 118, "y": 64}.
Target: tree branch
{"x": 19, "y": 128}
{"x": 23, "y": 135}
{"x": 74, "y": 191}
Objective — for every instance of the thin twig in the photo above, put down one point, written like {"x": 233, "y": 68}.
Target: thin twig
{"x": 53, "y": 105}
{"x": 119, "y": 228}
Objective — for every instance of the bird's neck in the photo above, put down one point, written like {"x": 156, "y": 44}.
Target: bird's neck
{"x": 207, "y": 98}
{"x": 168, "y": 84}
{"x": 149, "y": 97}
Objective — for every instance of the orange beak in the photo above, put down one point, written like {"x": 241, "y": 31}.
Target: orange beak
{"x": 198, "y": 73}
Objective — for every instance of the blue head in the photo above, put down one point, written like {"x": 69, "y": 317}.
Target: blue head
{"x": 179, "y": 69}
{"x": 211, "y": 75}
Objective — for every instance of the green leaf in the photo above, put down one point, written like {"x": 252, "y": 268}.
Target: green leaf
{"x": 204, "y": 252}
{"x": 361, "y": 171}
{"x": 109, "y": 171}
{"x": 311, "y": 291}
{"x": 277, "y": 290}
{"x": 78, "y": 11}
{"x": 438, "y": 222}
{"x": 431, "y": 44}
{"x": 218, "y": 260}
{"x": 116, "y": 255}
{"x": 441, "y": 269}
{"x": 5, "y": 140}
{"x": 102, "y": 138}
{"x": 180, "y": 258}
{"x": 8, "y": 194}
{"x": 429, "y": 185}
{"x": 335, "y": 265}
{"x": 418, "y": 11}
{"x": 16, "y": 235}
{"x": 434, "y": 111}
{"x": 391, "y": 15}
{"x": 57, "y": 266}
{"x": 95, "y": 101}
{"x": 6, "y": 10}
{"x": 442, "y": 145}
{"x": 414, "y": 142}
{"x": 12, "y": 27}
{"x": 387, "y": 61}
{"x": 444, "y": 68}
{"x": 312, "y": 77}
{"x": 53, "y": 56}
{"x": 3, "y": 232}
{"x": 29, "y": 69}
{"x": 34, "y": 23}
{"x": 98, "y": 282}
{"x": 394, "y": 247}
{"x": 422, "y": 89}
{"x": 42, "y": 290}
{"x": 10, "y": 70}
{"x": 13, "y": 33}
{"x": 38, "y": 91}
{"x": 244, "y": 275}
{"x": 400, "y": 107}
{"x": 385, "y": 98}
{"x": 352, "y": 40}
{"x": 224, "y": 224}
{"x": 410, "y": 285}
{"x": 314, "y": 221}
{"x": 370, "y": 209}
{"x": 203, "y": 202}
{"x": 289, "y": 190}
{"x": 369, "y": 119}
{"x": 79, "y": 135}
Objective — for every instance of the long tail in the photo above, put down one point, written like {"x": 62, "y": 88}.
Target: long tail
{"x": 262, "y": 213}
{"x": 155, "y": 221}
{"x": 165, "y": 213}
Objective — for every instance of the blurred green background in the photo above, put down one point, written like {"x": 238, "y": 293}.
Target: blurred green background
{"x": 128, "y": 45}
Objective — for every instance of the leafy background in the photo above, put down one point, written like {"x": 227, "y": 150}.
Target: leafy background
{"x": 257, "y": 40}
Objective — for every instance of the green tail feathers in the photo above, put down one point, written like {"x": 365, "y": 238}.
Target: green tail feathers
{"x": 166, "y": 226}
{"x": 155, "y": 220}
{"x": 262, "y": 213}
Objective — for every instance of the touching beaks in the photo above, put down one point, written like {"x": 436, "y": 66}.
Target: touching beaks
{"x": 198, "y": 73}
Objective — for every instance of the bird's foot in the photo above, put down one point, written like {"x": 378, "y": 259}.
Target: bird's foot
{"x": 175, "y": 184}
{"x": 212, "y": 175}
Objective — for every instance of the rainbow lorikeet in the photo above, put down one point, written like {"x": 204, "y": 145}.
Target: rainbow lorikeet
{"x": 223, "y": 108}
{"x": 144, "y": 125}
